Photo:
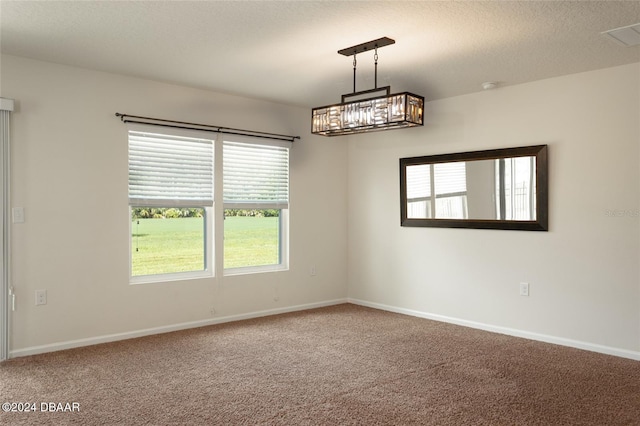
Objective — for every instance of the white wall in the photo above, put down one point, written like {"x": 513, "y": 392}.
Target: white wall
{"x": 583, "y": 273}
{"x": 69, "y": 172}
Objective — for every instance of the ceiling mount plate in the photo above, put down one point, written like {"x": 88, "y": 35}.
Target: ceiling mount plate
{"x": 370, "y": 45}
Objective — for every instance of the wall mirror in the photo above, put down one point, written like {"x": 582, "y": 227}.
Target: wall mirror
{"x": 494, "y": 189}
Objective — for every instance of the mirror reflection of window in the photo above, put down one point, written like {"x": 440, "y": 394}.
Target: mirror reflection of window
{"x": 447, "y": 181}
{"x": 493, "y": 189}
{"x": 451, "y": 190}
{"x": 515, "y": 188}
{"x": 419, "y": 191}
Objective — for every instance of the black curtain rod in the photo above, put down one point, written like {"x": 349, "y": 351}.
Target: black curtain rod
{"x": 204, "y": 127}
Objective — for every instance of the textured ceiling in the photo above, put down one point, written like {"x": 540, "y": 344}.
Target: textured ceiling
{"x": 285, "y": 51}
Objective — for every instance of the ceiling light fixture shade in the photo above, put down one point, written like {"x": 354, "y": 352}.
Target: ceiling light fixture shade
{"x": 372, "y": 113}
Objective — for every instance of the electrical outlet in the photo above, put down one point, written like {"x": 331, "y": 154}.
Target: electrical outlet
{"x": 41, "y": 297}
{"x": 524, "y": 289}
{"x": 312, "y": 271}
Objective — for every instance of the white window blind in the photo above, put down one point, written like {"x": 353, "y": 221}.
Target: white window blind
{"x": 255, "y": 176}
{"x": 450, "y": 178}
{"x": 418, "y": 181}
{"x": 170, "y": 171}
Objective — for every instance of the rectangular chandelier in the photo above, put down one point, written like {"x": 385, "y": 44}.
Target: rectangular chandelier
{"x": 371, "y": 114}
{"x": 394, "y": 111}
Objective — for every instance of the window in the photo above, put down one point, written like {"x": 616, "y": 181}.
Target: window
{"x": 448, "y": 181}
{"x": 451, "y": 190}
{"x": 515, "y": 188}
{"x": 419, "y": 191}
{"x": 170, "y": 200}
{"x": 256, "y": 203}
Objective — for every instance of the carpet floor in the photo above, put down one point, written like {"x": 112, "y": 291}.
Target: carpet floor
{"x": 340, "y": 365}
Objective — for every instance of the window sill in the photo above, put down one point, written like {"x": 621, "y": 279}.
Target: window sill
{"x": 255, "y": 270}
{"x": 180, "y": 276}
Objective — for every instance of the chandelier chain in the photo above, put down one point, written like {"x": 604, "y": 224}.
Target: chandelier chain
{"x": 354, "y": 72}
{"x": 375, "y": 76}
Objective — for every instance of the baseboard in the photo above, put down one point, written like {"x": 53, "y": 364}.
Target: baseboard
{"x": 34, "y": 350}
{"x": 623, "y": 353}
{"x": 53, "y": 347}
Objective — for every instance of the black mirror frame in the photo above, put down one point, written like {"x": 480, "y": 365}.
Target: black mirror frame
{"x": 542, "y": 191}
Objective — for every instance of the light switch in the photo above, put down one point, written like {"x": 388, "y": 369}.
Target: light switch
{"x": 18, "y": 214}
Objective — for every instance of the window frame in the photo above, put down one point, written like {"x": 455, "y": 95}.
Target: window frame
{"x": 208, "y": 248}
{"x": 283, "y": 222}
{"x": 209, "y": 230}
{"x": 214, "y": 214}
{"x": 283, "y": 251}
{"x": 433, "y": 196}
